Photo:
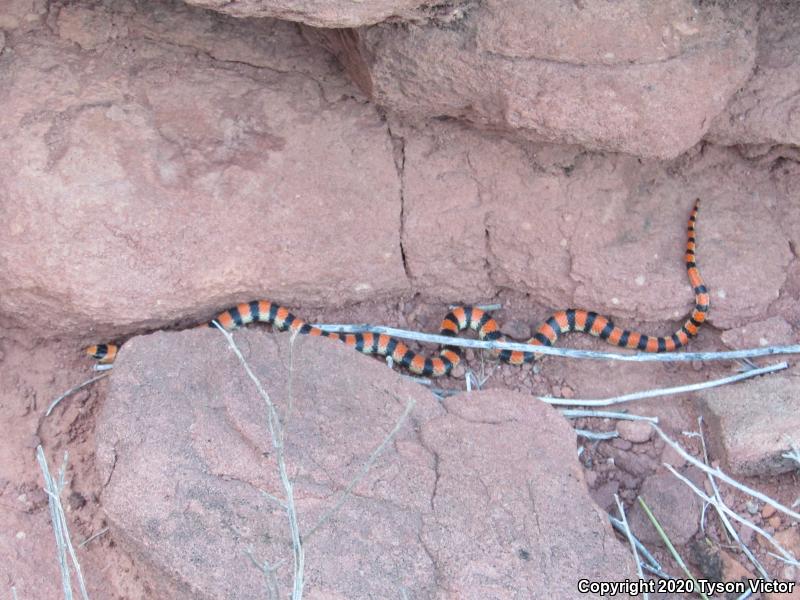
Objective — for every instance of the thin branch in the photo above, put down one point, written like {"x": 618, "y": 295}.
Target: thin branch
{"x": 597, "y": 435}
{"x": 60, "y": 529}
{"x": 362, "y": 473}
{"x": 657, "y": 572}
{"x": 71, "y": 391}
{"x": 575, "y": 413}
{"x": 722, "y": 516}
{"x": 681, "y": 389}
{"x": 568, "y": 352}
{"x": 723, "y": 477}
{"x": 618, "y": 525}
{"x": 631, "y": 541}
{"x": 276, "y": 433}
{"x": 668, "y": 543}
{"x": 93, "y": 537}
{"x": 785, "y": 553}
{"x": 483, "y": 307}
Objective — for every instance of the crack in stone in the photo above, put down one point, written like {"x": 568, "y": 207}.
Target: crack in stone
{"x": 399, "y": 144}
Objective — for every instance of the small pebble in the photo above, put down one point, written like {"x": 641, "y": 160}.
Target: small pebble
{"x": 630, "y": 482}
{"x": 751, "y": 506}
{"x": 458, "y": 372}
{"x": 591, "y": 478}
{"x": 774, "y": 521}
{"x": 567, "y": 392}
{"x": 767, "y": 511}
{"x": 746, "y": 535}
{"x": 516, "y": 329}
{"x": 635, "y": 431}
{"x": 621, "y": 444}
{"x": 670, "y": 456}
{"x": 789, "y": 573}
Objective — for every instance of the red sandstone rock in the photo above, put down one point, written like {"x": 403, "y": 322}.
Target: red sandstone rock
{"x": 467, "y": 500}
{"x": 22, "y": 15}
{"x": 179, "y": 195}
{"x": 774, "y": 331}
{"x": 150, "y": 185}
{"x": 767, "y": 109}
{"x": 605, "y": 233}
{"x": 323, "y": 13}
{"x": 673, "y": 504}
{"x": 754, "y": 423}
{"x": 646, "y": 79}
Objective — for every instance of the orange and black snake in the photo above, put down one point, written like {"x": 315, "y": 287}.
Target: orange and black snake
{"x": 466, "y": 317}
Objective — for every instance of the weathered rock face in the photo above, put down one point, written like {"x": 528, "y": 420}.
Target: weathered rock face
{"x": 767, "y": 109}
{"x": 603, "y": 233}
{"x": 141, "y": 175}
{"x": 641, "y": 78}
{"x": 322, "y": 13}
{"x": 456, "y": 505}
{"x": 677, "y": 510}
{"x": 186, "y": 161}
{"x": 754, "y": 424}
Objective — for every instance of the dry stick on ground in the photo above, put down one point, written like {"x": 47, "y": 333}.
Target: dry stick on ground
{"x": 713, "y": 501}
{"x": 93, "y": 537}
{"x": 629, "y": 535}
{"x": 723, "y": 477}
{"x": 574, "y": 413}
{"x": 276, "y": 431}
{"x": 670, "y": 546}
{"x": 654, "y": 564}
{"x": 59, "y": 521}
{"x": 681, "y": 389}
{"x": 71, "y": 391}
{"x": 722, "y": 516}
{"x": 597, "y": 435}
{"x": 276, "y": 434}
{"x": 794, "y": 455}
{"x": 364, "y": 468}
{"x": 273, "y": 589}
{"x": 569, "y": 352}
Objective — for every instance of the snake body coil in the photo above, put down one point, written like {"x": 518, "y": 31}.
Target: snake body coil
{"x": 465, "y": 317}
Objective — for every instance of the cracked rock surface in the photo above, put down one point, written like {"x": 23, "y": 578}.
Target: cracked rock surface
{"x": 641, "y": 78}
{"x": 461, "y": 502}
{"x": 168, "y": 174}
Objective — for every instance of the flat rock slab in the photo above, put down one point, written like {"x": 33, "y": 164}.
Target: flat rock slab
{"x": 320, "y": 13}
{"x": 754, "y": 423}
{"x": 479, "y": 497}
{"x": 181, "y": 161}
{"x": 767, "y": 109}
{"x": 640, "y": 78}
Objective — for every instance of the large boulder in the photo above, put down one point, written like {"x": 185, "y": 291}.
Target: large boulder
{"x": 600, "y": 232}
{"x": 467, "y": 500}
{"x": 767, "y": 109}
{"x": 324, "y": 13}
{"x": 143, "y": 182}
{"x": 642, "y": 78}
{"x": 755, "y": 424}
